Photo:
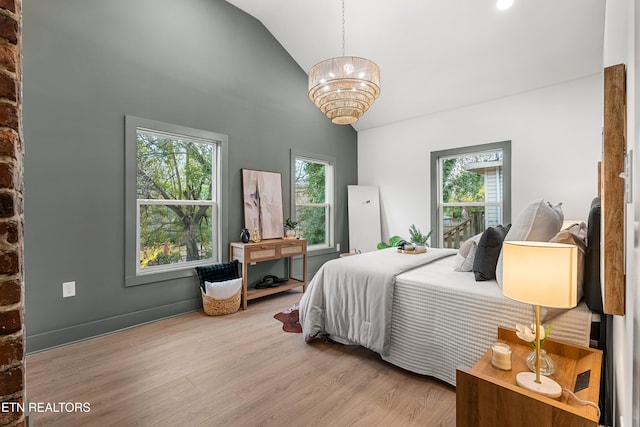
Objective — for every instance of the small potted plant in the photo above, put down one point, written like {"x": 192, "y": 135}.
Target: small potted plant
{"x": 290, "y": 228}
{"x": 418, "y": 239}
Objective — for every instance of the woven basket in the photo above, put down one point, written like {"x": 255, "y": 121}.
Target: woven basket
{"x": 218, "y": 307}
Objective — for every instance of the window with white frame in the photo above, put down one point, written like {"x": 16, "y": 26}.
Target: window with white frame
{"x": 177, "y": 197}
{"x": 470, "y": 191}
{"x": 313, "y": 198}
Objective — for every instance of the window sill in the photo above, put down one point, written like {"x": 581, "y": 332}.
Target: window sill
{"x": 161, "y": 276}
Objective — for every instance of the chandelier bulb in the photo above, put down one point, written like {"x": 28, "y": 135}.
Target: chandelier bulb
{"x": 348, "y": 68}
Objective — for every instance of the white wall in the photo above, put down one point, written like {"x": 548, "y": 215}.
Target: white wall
{"x": 622, "y": 29}
{"x": 633, "y": 111}
{"x": 556, "y": 144}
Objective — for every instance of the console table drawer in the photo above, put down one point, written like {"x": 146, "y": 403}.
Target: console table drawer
{"x": 292, "y": 249}
{"x": 261, "y": 253}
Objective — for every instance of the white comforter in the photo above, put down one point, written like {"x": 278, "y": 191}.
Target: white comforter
{"x": 350, "y": 299}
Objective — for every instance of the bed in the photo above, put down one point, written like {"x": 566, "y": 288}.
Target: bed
{"x": 420, "y": 314}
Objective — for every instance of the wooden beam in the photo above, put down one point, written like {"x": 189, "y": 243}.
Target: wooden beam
{"x": 612, "y": 191}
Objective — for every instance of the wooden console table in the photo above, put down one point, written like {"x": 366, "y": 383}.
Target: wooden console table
{"x": 486, "y": 396}
{"x": 266, "y": 250}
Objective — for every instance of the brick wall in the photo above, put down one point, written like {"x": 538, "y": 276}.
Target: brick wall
{"x": 11, "y": 213}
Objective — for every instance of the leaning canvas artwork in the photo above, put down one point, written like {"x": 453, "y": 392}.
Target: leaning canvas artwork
{"x": 262, "y": 193}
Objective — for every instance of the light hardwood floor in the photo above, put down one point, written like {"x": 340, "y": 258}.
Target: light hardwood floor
{"x": 235, "y": 370}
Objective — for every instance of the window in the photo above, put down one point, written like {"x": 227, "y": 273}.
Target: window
{"x": 470, "y": 191}
{"x": 313, "y": 199}
{"x": 173, "y": 198}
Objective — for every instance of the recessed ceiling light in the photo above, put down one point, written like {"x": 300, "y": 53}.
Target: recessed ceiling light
{"x": 504, "y": 4}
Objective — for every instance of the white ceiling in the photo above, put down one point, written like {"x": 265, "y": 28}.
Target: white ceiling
{"x": 436, "y": 55}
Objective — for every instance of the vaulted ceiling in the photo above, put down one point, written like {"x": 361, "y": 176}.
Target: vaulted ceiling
{"x": 437, "y": 55}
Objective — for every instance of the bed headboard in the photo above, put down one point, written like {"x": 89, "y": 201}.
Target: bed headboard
{"x": 593, "y": 297}
{"x": 592, "y": 284}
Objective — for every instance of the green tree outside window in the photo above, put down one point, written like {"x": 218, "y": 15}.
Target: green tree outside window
{"x": 175, "y": 203}
{"x": 310, "y": 200}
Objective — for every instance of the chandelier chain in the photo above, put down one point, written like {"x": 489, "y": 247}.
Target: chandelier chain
{"x": 344, "y": 88}
{"x": 342, "y": 27}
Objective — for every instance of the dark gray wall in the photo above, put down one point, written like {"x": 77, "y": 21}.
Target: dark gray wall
{"x": 197, "y": 63}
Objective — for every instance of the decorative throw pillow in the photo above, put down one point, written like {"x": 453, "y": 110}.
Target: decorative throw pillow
{"x": 217, "y": 273}
{"x": 538, "y": 222}
{"x": 489, "y": 246}
{"x": 467, "y": 253}
{"x": 465, "y": 248}
{"x": 467, "y": 264}
{"x": 223, "y": 290}
{"x": 566, "y": 236}
{"x": 578, "y": 229}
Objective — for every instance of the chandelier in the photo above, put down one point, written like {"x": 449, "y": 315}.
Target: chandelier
{"x": 343, "y": 88}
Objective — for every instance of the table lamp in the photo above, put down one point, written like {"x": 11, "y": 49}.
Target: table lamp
{"x": 541, "y": 274}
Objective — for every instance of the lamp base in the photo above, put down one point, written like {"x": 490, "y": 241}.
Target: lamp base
{"x": 547, "y": 386}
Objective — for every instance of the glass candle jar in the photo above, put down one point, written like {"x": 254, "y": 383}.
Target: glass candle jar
{"x": 501, "y": 356}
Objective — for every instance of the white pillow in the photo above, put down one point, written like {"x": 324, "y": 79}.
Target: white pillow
{"x": 538, "y": 222}
{"x": 458, "y": 260}
{"x": 466, "y": 254}
{"x": 467, "y": 264}
{"x": 223, "y": 290}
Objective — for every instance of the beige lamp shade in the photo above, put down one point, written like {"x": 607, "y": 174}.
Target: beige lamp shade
{"x": 541, "y": 273}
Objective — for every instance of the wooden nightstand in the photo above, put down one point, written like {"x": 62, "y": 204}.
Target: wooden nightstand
{"x": 486, "y": 396}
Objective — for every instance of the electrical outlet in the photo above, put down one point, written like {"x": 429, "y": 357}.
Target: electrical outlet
{"x": 68, "y": 289}
{"x": 582, "y": 381}
{"x": 338, "y": 247}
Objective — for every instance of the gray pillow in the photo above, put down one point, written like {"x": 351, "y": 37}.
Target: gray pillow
{"x": 538, "y": 222}
{"x": 465, "y": 248}
{"x": 467, "y": 253}
{"x": 466, "y": 264}
{"x": 487, "y": 253}
{"x": 578, "y": 229}
{"x": 572, "y": 236}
